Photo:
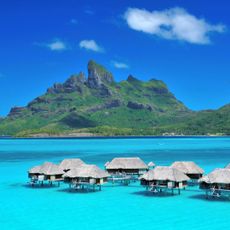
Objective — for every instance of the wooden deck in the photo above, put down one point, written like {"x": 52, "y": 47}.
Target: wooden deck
{"x": 163, "y": 189}
{"x": 122, "y": 179}
{"x": 34, "y": 182}
{"x": 217, "y": 193}
{"x": 84, "y": 186}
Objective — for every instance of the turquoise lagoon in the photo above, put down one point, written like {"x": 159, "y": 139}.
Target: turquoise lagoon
{"x": 115, "y": 207}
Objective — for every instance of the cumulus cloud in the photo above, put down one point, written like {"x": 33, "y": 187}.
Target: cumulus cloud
{"x": 120, "y": 65}
{"x": 175, "y": 23}
{"x": 57, "y": 45}
{"x": 90, "y": 45}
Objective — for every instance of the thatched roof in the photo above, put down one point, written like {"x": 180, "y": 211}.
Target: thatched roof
{"x": 187, "y": 167}
{"x": 107, "y": 163}
{"x": 91, "y": 171}
{"x": 227, "y": 166}
{"x": 151, "y": 164}
{"x": 165, "y": 173}
{"x": 219, "y": 176}
{"x": 35, "y": 170}
{"x": 68, "y": 164}
{"x": 127, "y": 163}
{"x": 47, "y": 168}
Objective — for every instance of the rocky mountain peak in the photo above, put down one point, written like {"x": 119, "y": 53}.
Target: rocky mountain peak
{"x": 73, "y": 83}
{"x": 132, "y": 79}
{"x": 75, "y": 80}
{"x": 16, "y": 111}
{"x": 98, "y": 75}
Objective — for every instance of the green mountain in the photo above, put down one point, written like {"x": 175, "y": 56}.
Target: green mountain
{"x": 98, "y": 105}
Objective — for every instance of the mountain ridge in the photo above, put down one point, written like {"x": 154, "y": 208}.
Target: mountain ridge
{"x": 96, "y": 104}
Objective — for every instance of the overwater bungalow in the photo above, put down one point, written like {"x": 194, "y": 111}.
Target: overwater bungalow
{"x": 127, "y": 165}
{"x": 126, "y": 169}
{"x": 34, "y": 172}
{"x": 190, "y": 168}
{"x": 164, "y": 179}
{"x": 216, "y": 183}
{"x": 68, "y": 164}
{"x": 46, "y": 172}
{"x": 87, "y": 177}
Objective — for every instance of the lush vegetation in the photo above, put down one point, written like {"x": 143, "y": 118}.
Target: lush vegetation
{"x": 100, "y": 106}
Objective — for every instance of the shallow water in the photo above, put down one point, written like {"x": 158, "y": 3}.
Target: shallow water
{"x": 115, "y": 207}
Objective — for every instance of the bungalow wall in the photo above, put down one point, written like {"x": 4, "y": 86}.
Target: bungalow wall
{"x": 86, "y": 180}
{"x": 54, "y": 177}
{"x": 204, "y": 185}
{"x": 164, "y": 183}
{"x": 126, "y": 171}
{"x": 38, "y": 176}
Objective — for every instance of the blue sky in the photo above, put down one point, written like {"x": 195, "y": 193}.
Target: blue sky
{"x": 185, "y": 43}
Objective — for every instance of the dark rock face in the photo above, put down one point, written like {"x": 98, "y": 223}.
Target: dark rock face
{"x": 39, "y": 100}
{"x": 39, "y": 110}
{"x": 97, "y": 76}
{"x": 108, "y": 77}
{"x": 159, "y": 90}
{"x": 135, "y": 105}
{"x": 16, "y": 111}
{"x": 94, "y": 80}
{"x": 108, "y": 105}
{"x": 132, "y": 79}
{"x": 72, "y": 84}
{"x": 104, "y": 91}
{"x": 57, "y": 88}
{"x": 62, "y": 98}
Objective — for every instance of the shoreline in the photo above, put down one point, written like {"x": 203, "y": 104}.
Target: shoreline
{"x": 113, "y": 137}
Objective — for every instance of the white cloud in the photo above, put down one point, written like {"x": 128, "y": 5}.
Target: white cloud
{"x": 57, "y": 45}
{"x": 90, "y": 45}
{"x": 175, "y": 23}
{"x": 120, "y": 65}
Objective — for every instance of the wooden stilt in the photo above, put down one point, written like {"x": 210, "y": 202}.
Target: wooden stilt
{"x": 206, "y": 194}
